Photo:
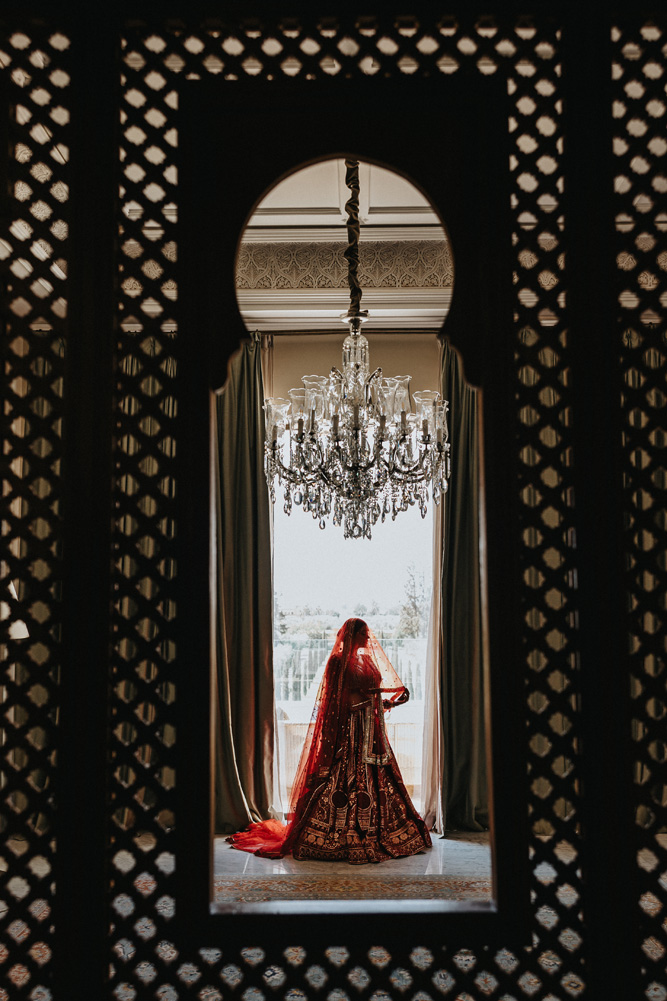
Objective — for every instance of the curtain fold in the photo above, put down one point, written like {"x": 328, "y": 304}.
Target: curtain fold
{"x": 432, "y": 747}
{"x": 244, "y": 648}
{"x": 455, "y": 735}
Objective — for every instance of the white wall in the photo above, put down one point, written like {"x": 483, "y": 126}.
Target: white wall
{"x": 314, "y": 354}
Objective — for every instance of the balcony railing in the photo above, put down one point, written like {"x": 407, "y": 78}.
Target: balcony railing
{"x": 404, "y": 737}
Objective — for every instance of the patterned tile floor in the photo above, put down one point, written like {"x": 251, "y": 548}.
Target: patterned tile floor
{"x": 459, "y": 855}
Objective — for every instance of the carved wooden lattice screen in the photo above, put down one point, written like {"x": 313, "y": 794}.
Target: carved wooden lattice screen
{"x": 145, "y": 668}
{"x": 33, "y": 249}
{"x": 154, "y": 64}
{"x": 640, "y": 183}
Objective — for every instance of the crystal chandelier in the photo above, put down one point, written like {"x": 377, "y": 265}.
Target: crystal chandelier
{"x": 349, "y": 445}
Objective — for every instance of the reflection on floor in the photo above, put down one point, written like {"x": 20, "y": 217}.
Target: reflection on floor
{"x": 457, "y": 867}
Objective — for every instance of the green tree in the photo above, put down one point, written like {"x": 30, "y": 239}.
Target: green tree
{"x": 419, "y": 690}
{"x": 413, "y": 610}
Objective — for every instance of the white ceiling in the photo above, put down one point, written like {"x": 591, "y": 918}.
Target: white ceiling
{"x": 309, "y": 206}
{"x": 316, "y": 196}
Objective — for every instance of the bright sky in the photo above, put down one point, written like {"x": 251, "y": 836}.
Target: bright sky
{"x": 314, "y": 566}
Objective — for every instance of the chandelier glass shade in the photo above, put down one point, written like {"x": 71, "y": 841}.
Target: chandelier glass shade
{"x": 349, "y": 446}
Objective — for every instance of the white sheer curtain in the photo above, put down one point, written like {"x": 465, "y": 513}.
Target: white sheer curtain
{"x": 432, "y": 748}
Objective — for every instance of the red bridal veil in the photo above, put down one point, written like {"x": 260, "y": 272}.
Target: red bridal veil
{"x": 357, "y": 674}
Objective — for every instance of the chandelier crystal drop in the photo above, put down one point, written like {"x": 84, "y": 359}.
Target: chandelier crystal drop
{"x": 349, "y": 446}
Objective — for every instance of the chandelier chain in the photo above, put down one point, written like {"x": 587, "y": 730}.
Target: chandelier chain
{"x": 353, "y": 234}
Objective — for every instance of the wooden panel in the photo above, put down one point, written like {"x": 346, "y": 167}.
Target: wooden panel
{"x": 534, "y": 61}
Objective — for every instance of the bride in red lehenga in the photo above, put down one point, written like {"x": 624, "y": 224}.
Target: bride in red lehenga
{"x": 349, "y": 802}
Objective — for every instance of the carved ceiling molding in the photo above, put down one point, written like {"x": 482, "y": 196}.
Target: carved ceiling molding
{"x": 417, "y": 264}
{"x": 330, "y": 233}
{"x": 390, "y": 309}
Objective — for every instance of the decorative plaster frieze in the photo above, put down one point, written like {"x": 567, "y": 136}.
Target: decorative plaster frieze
{"x": 407, "y": 264}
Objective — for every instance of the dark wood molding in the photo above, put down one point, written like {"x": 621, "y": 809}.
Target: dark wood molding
{"x": 595, "y": 343}
{"x": 82, "y": 879}
{"x": 448, "y": 137}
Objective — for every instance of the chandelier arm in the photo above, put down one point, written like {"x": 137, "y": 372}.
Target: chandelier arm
{"x": 336, "y": 483}
{"x": 304, "y": 478}
{"x": 350, "y": 466}
{"x": 416, "y": 473}
{"x": 307, "y": 472}
{"x": 399, "y": 468}
{"x": 325, "y": 475}
{"x": 411, "y": 478}
{"x": 295, "y": 477}
{"x": 314, "y": 469}
{"x": 375, "y": 376}
{"x": 324, "y": 469}
{"x": 286, "y": 471}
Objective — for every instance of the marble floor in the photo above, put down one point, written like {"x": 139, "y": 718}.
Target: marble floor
{"x": 459, "y": 855}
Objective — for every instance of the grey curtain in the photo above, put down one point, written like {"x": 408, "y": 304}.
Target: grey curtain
{"x": 459, "y": 677}
{"x": 244, "y": 649}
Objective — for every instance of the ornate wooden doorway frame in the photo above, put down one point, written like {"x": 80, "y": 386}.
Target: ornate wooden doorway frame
{"x": 448, "y": 137}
